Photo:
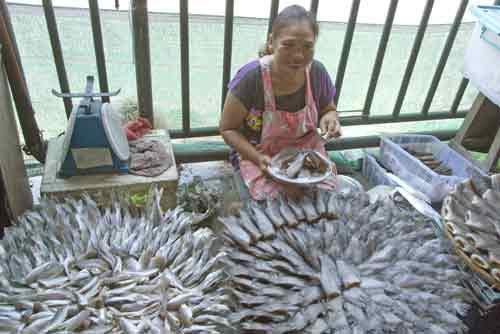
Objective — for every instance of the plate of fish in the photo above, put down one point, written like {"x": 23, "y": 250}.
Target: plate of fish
{"x": 300, "y": 167}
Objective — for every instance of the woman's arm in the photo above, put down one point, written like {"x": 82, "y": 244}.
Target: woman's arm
{"x": 329, "y": 121}
{"x": 233, "y": 116}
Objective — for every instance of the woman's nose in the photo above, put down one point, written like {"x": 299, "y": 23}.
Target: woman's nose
{"x": 298, "y": 56}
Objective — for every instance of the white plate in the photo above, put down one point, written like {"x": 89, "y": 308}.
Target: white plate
{"x": 304, "y": 181}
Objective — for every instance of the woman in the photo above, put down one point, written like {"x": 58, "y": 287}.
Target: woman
{"x": 275, "y": 102}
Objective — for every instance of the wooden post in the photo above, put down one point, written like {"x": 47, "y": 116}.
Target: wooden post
{"x": 480, "y": 131}
{"x": 14, "y": 182}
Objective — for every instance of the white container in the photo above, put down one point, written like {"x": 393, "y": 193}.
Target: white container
{"x": 375, "y": 173}
{"x": 482, "y": 56}
{"x": 418, "y": 175}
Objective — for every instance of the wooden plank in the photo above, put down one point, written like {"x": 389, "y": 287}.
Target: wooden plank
{"x": 493, "y": 153}
{"x": 16, "y": 184}
{"x": 101, "y": 185}
{"x": 480, "y": 131}
{"x": 469, "y": 118}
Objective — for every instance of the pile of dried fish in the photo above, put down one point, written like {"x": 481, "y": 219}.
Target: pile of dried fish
{"x": 69, "y": 267}
{"x": 337, "y": 264}
{"x": 295, "y": 164}
{"x": 429, "y": 160}
{"x": 472, "y": 218}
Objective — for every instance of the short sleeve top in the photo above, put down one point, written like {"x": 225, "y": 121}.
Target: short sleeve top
{"x": 247, "y": 86}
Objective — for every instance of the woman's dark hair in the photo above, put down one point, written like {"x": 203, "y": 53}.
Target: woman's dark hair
{"x": 288, "y": 15}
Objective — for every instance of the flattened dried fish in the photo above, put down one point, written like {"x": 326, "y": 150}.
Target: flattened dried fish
{"x": 306, "y": 276}
{"x": 309, "y": 209}
{"x": 495, "y": 272}
{"x": 480, "y": 261}
{"x": 478, "y": 223}
{"x": 481, "y": 240}
{"x": 262, "y": 221}
{"x": 273, "y": 212}
{"x": 287, "y": 212}
{"x": 347, "y": 275}
{"x": 329, "y": 277}
{"x": 92, "y": 271}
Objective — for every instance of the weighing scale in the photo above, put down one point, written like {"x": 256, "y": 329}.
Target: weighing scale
{"x": 94, "y": 140}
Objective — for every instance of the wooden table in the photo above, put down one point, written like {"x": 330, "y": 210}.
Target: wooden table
{"x": 480, "y": 132}
{"x": 99, "y": 186}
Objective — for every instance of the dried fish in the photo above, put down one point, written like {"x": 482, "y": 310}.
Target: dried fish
{"x": 294, "y": 163}
{"x": 273, "y": 212}
{"x": 376, "y": 269}
{"x": 495, "y": 272}
{"x": 348, "y": 275}
{"x": 262, "y": 221}
{"x": 329, "y": 277}
{"x": 480, "y": 261}
{"x": 80, "y": 269}
{"x": 428, "y": 159}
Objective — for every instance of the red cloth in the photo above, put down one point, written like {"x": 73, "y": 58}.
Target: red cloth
{"x": 137, "y": 128}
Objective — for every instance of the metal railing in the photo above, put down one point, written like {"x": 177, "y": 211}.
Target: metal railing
{"x": 139, "y": 13}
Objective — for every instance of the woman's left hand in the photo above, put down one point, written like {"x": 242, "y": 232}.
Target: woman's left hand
{"x": 329, "y": 124}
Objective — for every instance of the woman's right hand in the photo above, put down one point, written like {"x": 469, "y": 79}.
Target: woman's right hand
{"x": 263, "y": 161}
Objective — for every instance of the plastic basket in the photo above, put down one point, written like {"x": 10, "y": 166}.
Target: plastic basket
{"x": 418, "y": 175}
{"x": 374, "y": 173}
{"x": 485, "y": 294}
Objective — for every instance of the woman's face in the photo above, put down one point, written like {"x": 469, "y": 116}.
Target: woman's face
{"x": 293, "y": 47}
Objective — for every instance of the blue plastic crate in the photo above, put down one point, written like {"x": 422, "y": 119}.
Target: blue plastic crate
{"x": 418, "y": 175}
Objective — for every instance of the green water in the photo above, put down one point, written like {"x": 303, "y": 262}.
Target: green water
{"x": 206, "y": 35}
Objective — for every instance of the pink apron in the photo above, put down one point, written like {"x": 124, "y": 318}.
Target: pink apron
{"x": 281, "y": 129}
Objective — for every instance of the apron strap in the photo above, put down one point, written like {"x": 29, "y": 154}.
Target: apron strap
{"x": 309, "y": 94}
{"x": 265, "y": 68}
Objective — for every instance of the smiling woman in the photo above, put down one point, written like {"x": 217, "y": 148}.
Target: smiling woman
{"x": 277, "y": 102}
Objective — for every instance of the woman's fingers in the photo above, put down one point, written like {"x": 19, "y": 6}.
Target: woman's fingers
{"x": 264, "y": 162}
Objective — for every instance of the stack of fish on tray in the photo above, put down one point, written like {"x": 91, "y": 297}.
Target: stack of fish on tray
{"x": 334, "y": 263}
{"x": 431, "y": 162}
{"x": 69, "y": 268}
{"x": 295, "y": 164}
{"x": 472, "y": 219}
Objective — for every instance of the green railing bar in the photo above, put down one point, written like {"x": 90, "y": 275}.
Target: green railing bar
{"x": 142, "y": 58}
{"x": 228, "y": 48}
{"x": 314, "y": 7}
{"x": 184, "y": 36}
{"x": 459, "y": 95}
{"x": 424, "y": 20}
{"x": 379, "y": 60}
{"x": 275, "y": 4}
{"x": 444, "y": 56}
{"x": 99, "y": 48}
{"x": 346, "y": 48}
{"x": 4, "y": 10}
{"x": 213, "y": 151}
{"x": 345, "y": 121}
{"x": 50, "y": 18}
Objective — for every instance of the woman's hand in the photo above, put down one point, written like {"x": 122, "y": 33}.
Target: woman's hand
{"x": 330, "y": 124}
{"x": 263, "y": 161}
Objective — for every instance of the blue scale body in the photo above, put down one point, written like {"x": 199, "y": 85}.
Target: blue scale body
{"x": 88, "y": 132}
